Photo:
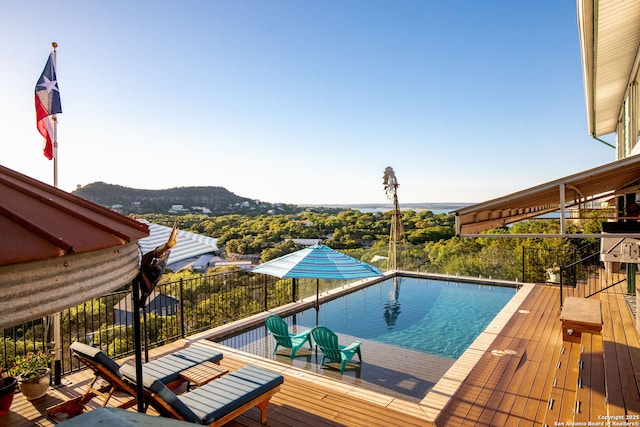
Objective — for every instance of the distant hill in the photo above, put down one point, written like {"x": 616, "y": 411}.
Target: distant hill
{"x": 180, "y": 200}
{"x": 214, "y": 201}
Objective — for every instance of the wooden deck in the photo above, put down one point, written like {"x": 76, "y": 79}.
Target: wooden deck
{"x": 531, "y": 378}
{"x": 548, "y": 381}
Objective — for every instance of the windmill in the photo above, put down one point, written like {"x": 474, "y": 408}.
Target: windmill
{"x": 396, "y": 235}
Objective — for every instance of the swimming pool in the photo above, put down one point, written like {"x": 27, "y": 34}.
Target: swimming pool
{"x": 412, "y": 331}
{"x": 431, "y": 316}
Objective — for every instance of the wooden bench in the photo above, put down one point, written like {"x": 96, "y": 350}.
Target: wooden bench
{"x": 580, "y": 315}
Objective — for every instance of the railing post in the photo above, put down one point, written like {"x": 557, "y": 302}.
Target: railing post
{"x": 264, "y": 290}
{"x": 523, "y": 264}
{"x": 181, "y": 297}
{"x": 560, "y": 274}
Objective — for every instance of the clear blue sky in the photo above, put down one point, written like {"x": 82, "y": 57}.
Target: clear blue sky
{"x": 302, "y": 101}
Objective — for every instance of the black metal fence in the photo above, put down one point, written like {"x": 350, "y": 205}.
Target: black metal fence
{"x": 174, "y": 310}
{"x": 573, "y": 265}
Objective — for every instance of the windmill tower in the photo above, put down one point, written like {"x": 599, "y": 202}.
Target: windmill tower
{"x": 396, "y": 235}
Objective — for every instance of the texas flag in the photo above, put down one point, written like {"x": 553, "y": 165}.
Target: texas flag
{"x": 47, "y": 103}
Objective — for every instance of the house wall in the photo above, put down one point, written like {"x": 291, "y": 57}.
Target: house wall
{"x": 123, "y": 317}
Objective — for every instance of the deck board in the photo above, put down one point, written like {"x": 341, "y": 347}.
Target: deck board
{"x": 541, "y": 309}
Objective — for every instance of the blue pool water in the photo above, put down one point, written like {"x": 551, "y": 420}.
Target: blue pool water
{"x": 435, "y": 317}
{"x": 431, "y": 316}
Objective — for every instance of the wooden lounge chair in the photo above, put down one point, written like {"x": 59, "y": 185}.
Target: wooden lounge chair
{"x": 217, "y": 402}
{"x": 165, "y": 369}
{"x": 280, "y": 331}
{"x": 327, "y": 340}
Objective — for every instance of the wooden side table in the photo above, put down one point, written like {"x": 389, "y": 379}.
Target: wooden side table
{"x": 202, "y": 373}
{"x": 580, "y": 315}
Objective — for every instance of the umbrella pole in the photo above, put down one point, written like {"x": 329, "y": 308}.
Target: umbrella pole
{"x": 137, "y": 343}
{"x": 317, "y": 299}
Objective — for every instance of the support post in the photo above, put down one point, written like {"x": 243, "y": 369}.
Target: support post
{"x": 181, "y": 293}
{"x": 137, "y": 343}
{"x": 631, "y": 278}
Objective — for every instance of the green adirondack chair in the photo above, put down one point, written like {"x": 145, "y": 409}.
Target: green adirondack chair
{"x": 280, "y": 331}
{"x": 327, "y": 340}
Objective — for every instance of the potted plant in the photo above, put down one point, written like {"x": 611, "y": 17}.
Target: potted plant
{"x": 7, "y": 390}
{"x": 32, "y": 372}
{"x": 554, "y": 273}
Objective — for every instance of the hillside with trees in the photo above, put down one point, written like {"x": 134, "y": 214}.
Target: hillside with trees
{"x": 430, "y": 242}
{"x": 180, "y": 200}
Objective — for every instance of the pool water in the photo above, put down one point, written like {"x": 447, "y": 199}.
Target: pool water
{"x": 425, "y": 324}
{"x": 431, "y": 316}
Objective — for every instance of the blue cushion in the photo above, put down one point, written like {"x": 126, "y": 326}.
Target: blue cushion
{"x": 170, "y": 398}
{"x": 167, "y": 368}
{"x": 218, "y": 398}
{"x": 96, "y": 355}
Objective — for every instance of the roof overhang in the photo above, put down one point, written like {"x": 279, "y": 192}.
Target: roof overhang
{"x": 58, "y": 250}
{"x": 34, "y": 289}
{"x": 616, "y": 178}
{"x": 609, "y": 40}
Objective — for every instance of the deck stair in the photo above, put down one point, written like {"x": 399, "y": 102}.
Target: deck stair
{"x": 600, "y": 375}
{"x": 577, "y": 391}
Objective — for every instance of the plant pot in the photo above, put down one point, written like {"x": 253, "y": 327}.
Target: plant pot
{"x": 35, "y": 388}
{"x": 7, "y": 390}
{"x": 554, "y": 277}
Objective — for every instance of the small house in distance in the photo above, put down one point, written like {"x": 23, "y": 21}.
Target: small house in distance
{"x": 157, "y": 303}
{"x": 203, "y": 263}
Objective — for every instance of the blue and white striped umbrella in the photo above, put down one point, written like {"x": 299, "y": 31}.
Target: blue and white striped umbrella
{"x": 318, "y": 262}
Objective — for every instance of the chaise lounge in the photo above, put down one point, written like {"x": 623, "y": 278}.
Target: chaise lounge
{"x": 165, "y": 369}
{"x": 217, "y": 402}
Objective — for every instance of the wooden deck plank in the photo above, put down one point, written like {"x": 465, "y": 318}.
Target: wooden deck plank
{"x": 624, "y": 339}
{"x": 460, "y": 410}
{"x": 615, "y": 399}
{"x": 493, "y": 402}
{"x": 534, "y": 398}
{"x": 563, "y": 390}
{"x": 513, "y": 399}
{"x": 591, "y": 393}
{"x": 543, "y": 321}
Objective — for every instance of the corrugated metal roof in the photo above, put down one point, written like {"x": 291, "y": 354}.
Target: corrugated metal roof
{"x": 188, "y": 245}
{"x": 58, "y": 250}
{"x": 609, "y": 33}
{"x": 619, "y": 177}
{"x": 39, "y": 221}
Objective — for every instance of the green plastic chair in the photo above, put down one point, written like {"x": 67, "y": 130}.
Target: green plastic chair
{"x": 327, "y": 340}
{"x": 280, "y": 331}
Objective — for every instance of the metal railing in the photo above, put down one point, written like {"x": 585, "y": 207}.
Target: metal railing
{"x": 174, "y": 310}
{"x": 575, "y": 263}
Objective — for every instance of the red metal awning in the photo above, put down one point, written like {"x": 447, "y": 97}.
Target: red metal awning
{"x": 39, "y": 221}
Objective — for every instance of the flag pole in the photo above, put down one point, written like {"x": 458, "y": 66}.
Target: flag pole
{"x": 57, "y": 327}
{"x": 55, "y": 127}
